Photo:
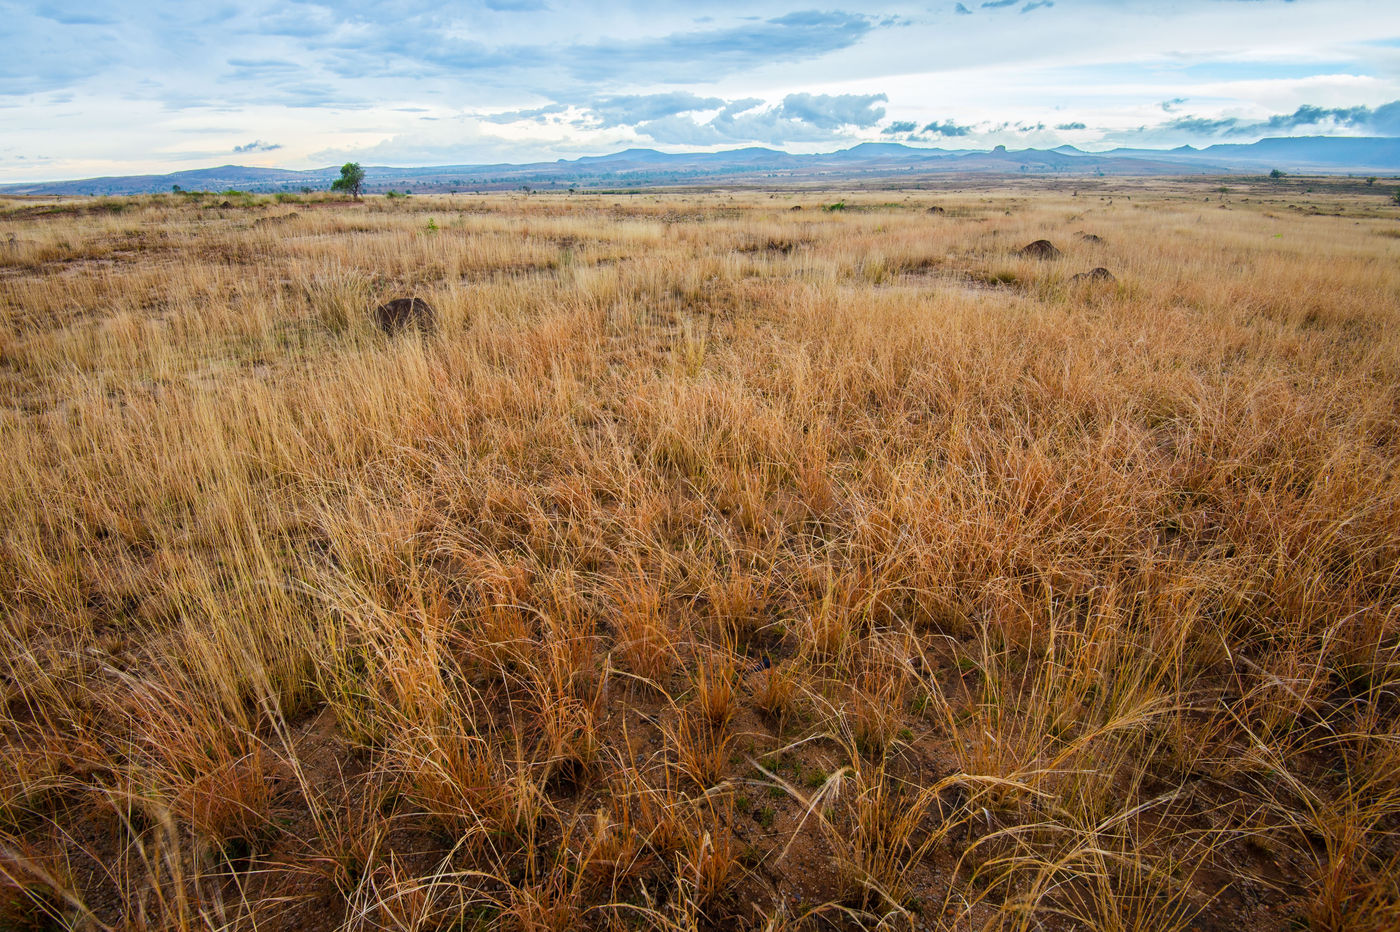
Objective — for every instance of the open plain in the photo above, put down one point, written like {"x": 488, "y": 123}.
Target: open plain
{"x": 719, "y": 559}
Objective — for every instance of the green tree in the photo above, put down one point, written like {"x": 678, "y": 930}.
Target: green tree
{"x": 1276, "y": 174}
{"x": 351, "y": 180}
{"x": 1396, "y": 196}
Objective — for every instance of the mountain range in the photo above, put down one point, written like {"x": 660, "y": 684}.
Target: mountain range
{"x": 635, "y": 168}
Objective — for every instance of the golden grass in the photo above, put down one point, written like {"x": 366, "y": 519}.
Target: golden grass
{"x": 715, "y": 564}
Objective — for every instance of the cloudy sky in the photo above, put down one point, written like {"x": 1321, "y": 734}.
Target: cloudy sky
{"x": 102, "y": 87}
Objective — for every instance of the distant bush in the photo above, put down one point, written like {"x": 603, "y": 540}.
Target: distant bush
{"x": 839, "y": 205}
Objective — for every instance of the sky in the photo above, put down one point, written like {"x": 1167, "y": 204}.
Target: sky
{"x": 100, "y": 87}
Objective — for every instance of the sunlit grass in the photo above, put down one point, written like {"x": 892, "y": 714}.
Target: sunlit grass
{"x": 711, "y": 564}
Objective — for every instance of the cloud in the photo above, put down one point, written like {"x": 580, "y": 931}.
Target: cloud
{"x": 946, "y": 128}
{"x": 71, "y": 18}
{"x": 299, "y": 21}
{"x": 52, "y": 50}
{"x": 312, "y": 94}
{"x": 459, "y": 142}
{"x": 830, "y": 111}
{"x": 257, "y": 69}
{"x": 415, "y": 44}
{"x": 684, "y": 118}
{"x": 1201, "y": 126}
{"x": 1385, "y": 119}
{"x": 1037, "y": 5}
{"x": 767, "y": 126}
{"x": 98, "y": 82}
{"x": 534, "y": 114}
{"x": 683, "y": 131}
{"x": 796, "y": 118}
{"x": 702, "y": 55}
{"x": 628, "y": 109}
{"x": 1382, "y": 121}
{"x": 257, "y": 145}
{"x": 742, "y": 105}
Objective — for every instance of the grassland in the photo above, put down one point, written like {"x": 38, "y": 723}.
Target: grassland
{"x": 715, "y": 564}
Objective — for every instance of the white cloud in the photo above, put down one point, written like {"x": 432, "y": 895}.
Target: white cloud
{"x": 97, "y": 87}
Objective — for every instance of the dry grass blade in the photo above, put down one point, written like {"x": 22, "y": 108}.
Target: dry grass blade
{"x": 1039, "y": 601}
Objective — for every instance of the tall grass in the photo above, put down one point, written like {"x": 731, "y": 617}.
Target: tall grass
{"x": 712, "y": 564}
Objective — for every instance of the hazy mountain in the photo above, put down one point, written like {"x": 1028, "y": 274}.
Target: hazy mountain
{"x": 1297, "y": 153}
{"x": 1320, "y": 152}
{"x": 649, "y": 167}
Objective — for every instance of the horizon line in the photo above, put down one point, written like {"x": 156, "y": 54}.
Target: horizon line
{"x": 1064, "y": 149}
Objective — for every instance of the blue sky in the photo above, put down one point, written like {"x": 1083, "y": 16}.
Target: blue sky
{"x": 103, "y": 87}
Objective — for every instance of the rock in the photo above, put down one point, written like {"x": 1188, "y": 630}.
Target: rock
{"x": 1040, "y": 249}
{"x": 1093, "y": 276}
{"x": 403, "y": 313}
{"x": 1089, "y": 237}
{"x": 935, "y": 209}
{"x": 795, "y": 207}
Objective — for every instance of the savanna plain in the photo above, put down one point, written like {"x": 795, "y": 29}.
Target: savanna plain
{"x": 719, "y": 559}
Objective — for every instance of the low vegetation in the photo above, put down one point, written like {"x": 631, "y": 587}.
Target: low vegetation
{"x": 708, "y": 564}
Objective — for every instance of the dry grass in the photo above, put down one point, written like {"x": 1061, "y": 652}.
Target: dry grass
{"x": 715, "y": 564}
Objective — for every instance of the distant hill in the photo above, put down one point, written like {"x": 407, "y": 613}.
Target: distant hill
{"x": 1322, "y": 154}
{"x": 651, "y": 168}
